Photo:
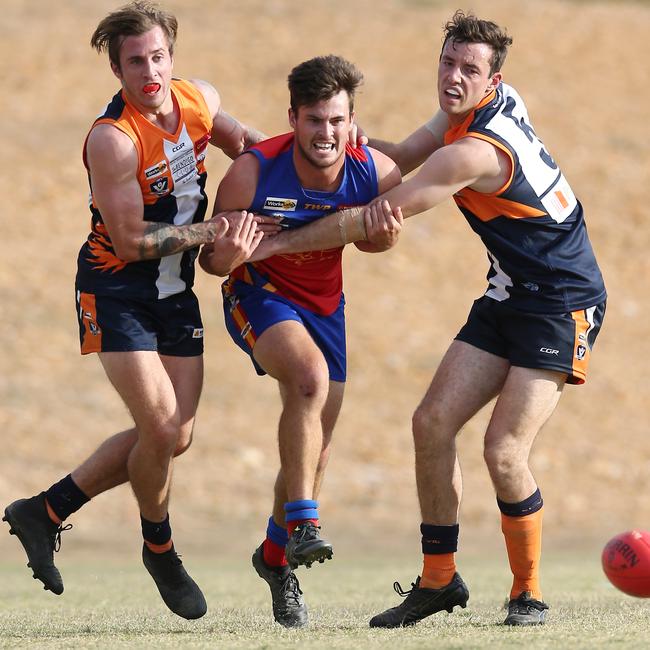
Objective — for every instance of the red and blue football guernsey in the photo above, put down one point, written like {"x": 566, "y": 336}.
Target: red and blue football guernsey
{"x": 313, "y": 279}
{"x": 533, "y": 227}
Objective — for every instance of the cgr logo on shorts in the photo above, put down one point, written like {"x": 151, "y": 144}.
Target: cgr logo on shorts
{"x": 581, "y": 350}
{"x": 549, "y": 351}
{"x": 197, "y": 333}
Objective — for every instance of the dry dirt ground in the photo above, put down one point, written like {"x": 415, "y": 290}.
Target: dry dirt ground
{"x": 582, "y": 67}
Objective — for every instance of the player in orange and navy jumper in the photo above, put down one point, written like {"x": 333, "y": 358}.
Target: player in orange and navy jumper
{"x": 530, "y": 333}
{"x": 171, "y": 174}
{"x": 287, "y": 312}
{"x": 136, "y": 309}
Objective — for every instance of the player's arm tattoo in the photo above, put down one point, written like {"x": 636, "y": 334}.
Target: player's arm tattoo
{"x": 162, "y": 239}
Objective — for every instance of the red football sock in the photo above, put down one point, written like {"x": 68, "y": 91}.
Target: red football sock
{"x": 273, "y": 553}
{"x": 292, "y": 525}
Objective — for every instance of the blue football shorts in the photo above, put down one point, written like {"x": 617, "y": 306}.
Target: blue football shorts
{"x": 249, "y": 310}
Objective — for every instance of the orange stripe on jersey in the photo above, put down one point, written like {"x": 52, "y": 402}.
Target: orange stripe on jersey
{"x": 92, "y": 338}
{"x": 487, "y": 206}
{"x": 456, "y": 132}
{"x": 502, "y": 148}
{"x": 581, "y": 349}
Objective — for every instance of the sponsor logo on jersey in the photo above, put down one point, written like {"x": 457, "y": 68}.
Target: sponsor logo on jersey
{"x": 201, "y": 145}
{"x": 326, "y": 207}
{"x": 581, "y": 350}
{"x": 160, "y": 187}
{"x": 197, "y": 333}
{"x": 275, "y": 203}
{"x": 156, "y": 170}
{"x": 183, "y": 168}
{"x": 549, "y": 351}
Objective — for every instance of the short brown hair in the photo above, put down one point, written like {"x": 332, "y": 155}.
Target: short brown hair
{"x": 468, "y": 28}
{"x": 133, "y": 19}
{"x": 321, "y": 78}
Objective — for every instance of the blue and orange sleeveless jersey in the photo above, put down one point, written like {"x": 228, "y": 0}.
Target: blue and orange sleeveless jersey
{"x": 533, "y": 227}
{"x": 171, "y": 173}
{"x": 313, "y": 279}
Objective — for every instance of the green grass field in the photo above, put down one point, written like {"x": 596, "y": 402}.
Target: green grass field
{"x": 112, "y": 603}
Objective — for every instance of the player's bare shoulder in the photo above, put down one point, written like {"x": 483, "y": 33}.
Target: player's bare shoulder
{"x": 210, "y": 94}
{"x": 388, "y": 173}
{"x": 110, "y": 148}
{"x": 236, "y": 190}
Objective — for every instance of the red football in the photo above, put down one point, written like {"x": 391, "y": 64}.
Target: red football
{"x": 626, "y": 562}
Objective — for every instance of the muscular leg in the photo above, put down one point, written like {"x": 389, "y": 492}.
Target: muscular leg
{"x": 106, "y": 467}
{"x": 329, "y": 417}
{"x": 143, "y": 382}
{"x": 287, "y": 352}
{"x": 527, "y": 400}
{"x": 466, "y": 380}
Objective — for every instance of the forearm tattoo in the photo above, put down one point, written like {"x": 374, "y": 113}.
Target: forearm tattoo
{"x": 163, "y": 239}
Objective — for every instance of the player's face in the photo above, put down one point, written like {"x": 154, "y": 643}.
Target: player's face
{"x": 322, "y": 130}
{"x": 146, "y": 69}
{"x": 464, "y": 78}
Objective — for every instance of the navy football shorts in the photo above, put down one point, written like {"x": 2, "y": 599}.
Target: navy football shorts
{"x": 171, "y": 326}
{"x": 560, "y": 342}
{"x": 249, "y": 310}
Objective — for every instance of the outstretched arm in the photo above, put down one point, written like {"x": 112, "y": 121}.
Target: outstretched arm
{"x": 468, "y": 162}
{"x": 411, "y": 152}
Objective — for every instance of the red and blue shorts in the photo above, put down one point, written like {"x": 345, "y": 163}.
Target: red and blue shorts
{"x": 249, "y": 310}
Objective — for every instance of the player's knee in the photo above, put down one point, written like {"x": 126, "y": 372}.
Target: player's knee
{"x": 501, "y": 460}
{"x": 163, "y": 437}
{"x": 428, "y": 426}
{"x": 311, "y": 384}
